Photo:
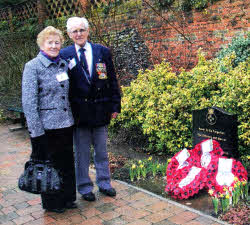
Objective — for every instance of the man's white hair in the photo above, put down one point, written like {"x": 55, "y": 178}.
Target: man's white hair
{"x": 73, "y": 21}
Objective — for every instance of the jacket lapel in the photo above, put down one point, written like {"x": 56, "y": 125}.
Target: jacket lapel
{"x": 96, "y": 59}
{"x": 79, "y": 69}
{"x": 93, "y": 62}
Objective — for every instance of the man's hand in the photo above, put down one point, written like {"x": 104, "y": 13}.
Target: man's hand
{"x": 114, "y": 115}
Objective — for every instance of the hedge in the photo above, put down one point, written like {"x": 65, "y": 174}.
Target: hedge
{"x": 158, "y": 104}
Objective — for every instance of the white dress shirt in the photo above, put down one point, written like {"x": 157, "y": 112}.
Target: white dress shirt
{"x": 88, "y": 55}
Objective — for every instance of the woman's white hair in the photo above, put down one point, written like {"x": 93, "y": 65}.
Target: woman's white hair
{"x": 44, "y": 34}
{"x": 73, "y": 21}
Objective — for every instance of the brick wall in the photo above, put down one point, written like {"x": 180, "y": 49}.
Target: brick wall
{"x": 141, "y": 36}
{"x": 177, "y": 38}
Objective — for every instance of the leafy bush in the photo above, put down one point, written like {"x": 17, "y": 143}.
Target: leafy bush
{"x": 240, "y": 45}
{"x": 4, "y": 26}
{"x": 5, "y": 3}
{"x": 160, "y": 103}
{"x": 59, "y": 23}
{"x": 185, "y": 5}
{"x": 2, "y": 116}
{"x": 113, "y": 8}
{"x": 18, "y": 48}
{"x": 29, "y": 25}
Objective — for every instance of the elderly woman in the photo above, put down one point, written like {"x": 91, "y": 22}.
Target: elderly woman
{"x": 47, "y": 110}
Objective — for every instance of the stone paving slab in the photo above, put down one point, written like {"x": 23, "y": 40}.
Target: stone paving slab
{"x": 131, "y": 206}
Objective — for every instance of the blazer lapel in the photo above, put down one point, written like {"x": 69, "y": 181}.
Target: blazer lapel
{"x": 94, "y": 61}
{"x": 79, "y": 68}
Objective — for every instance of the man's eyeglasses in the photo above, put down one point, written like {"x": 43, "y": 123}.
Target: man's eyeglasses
{"x": 78, "y": 31}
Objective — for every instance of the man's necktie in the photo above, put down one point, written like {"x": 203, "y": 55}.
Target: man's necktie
{"x": 84, "y": 63}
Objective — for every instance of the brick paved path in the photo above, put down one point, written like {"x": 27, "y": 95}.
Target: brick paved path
{"x": 130, "y": 206}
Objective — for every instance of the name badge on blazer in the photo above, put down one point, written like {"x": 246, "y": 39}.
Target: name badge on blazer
{"x": 72, "y": 63}
{"x": 101, "y": 71}
{"x": 62, "y": 76}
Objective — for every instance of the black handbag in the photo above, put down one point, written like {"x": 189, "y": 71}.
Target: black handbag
{"x": 39, "y": 177}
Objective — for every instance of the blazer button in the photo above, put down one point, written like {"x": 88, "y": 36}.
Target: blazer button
{"x": 62, "y": 85}
{"x": 63, "y": 97}
{"x": 65, "y": 109}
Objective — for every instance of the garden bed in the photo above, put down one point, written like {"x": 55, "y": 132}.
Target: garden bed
{"x": 201, "y": 201}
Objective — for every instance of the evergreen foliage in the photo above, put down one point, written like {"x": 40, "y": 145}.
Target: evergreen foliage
{"x": 17, "y": 49}
{"x": 185, "y": 5}
{"x": 159, "y": 103}
{"x": 4, "y": 3}
{"x": 240, "y": 45}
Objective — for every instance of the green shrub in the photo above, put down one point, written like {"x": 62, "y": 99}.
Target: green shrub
{"x": 112, "y": 8}
{"x": 5, "y": 3}
{"x": 30, "y": 25}
{"x": 4, "y": 26}
{"x": 18, "y": 48}
{"x": 185, "y": 5}
{"x": 240, "y": 45}
{"x": 2, "y": 116}
{"x": 59, "y": 23}
{"x": 160, "y": 103}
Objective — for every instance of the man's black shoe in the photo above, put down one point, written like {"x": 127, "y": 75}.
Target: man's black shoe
{"x": 56, "y": 210}
{"x": 89, "y": 197}
{"x": 109, "y": 192}
{"x": 70, "y": 205}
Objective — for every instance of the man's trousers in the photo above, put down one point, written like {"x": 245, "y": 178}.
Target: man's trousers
{"x": 84, "y": 138}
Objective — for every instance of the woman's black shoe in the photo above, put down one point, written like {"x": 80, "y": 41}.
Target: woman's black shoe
{"x": 56, "y": 210}
{"x": 70, "y": 205}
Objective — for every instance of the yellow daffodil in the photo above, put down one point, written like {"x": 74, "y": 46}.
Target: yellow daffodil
{"x": 169, "y": 160}
{"x": 221, "y": 195}
{"x": 158, "y": 166}
{"x": 141, "y": 166}
{"x": 244, "y": 183}
{"x": 210, "y": 192}
{"x": 150, "y": 158}
{"x": 227, "y": 196}
{"x": 236, "y": 178}
{"x": 139, "y": 161}
{"x": 248, "y": 157}
{"x": 224, "y": 189}
{"x": 133, "y": 166}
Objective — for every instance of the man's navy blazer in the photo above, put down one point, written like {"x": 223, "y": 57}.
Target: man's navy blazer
{"x": 93, "y": 102}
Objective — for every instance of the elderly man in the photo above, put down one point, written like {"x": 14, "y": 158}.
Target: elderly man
{"x": 95, "y": 99}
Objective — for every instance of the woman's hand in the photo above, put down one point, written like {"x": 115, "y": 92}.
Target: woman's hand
{"x": 114, "y": 115}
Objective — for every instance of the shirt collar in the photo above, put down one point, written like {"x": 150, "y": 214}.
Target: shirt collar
{"x": 87, "y": 46}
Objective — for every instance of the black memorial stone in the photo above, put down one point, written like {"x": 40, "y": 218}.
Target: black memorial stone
{"x": 219, "y": 125}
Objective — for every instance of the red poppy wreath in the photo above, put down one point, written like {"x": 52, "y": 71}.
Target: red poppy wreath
{"x": 206, "y": 152}
{"x": 190, "y": 184}
{"x": 184, "y": 175}
{"x": 222, "y": 172}
{"x": 177, "y": 168}
{"x": 204, "y": 166}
